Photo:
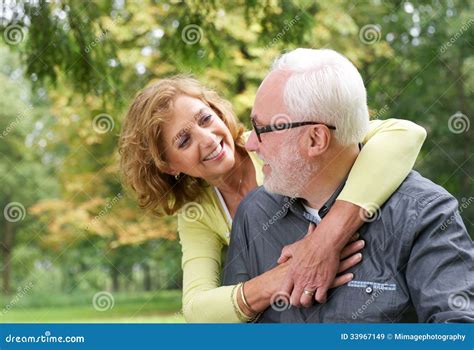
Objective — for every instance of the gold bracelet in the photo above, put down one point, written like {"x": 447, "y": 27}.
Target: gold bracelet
{"x": 242, "y": 317}
{"x": 242, "y": 294}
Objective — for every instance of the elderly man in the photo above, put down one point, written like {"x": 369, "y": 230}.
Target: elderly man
{"x": 415, "y": 267}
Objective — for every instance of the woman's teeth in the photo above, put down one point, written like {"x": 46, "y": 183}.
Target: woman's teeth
{"x": 215, "y": 153}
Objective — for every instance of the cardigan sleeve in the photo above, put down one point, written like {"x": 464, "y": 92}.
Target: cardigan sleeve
{"x": 389, "y": 153}
{"x": 204, "y": 301}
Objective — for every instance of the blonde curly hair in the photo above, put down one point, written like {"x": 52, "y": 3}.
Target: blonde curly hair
{"x": 142, "y": 160}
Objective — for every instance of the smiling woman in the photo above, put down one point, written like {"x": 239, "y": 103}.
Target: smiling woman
{"x": 157, "y": 142}
{"x": 182, "y": 151}
{"x": 200, "y": 143}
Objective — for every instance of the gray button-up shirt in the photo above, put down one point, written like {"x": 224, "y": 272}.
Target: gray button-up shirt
{"x": 418, "y": 261}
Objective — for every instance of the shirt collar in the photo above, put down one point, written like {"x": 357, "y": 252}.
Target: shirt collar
{"x": 297, "y": 207}
{"x": 295, "y": 204}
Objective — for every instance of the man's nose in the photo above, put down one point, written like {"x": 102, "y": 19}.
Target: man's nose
{"x": 252, "y": 142}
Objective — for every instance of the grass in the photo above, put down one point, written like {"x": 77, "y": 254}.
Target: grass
{"x": 140, "y": 307}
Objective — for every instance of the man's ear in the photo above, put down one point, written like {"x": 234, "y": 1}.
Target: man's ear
{"x": 319, "y": 140}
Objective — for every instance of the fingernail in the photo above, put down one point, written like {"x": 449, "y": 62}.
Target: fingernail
{"x": 359, "y": 256}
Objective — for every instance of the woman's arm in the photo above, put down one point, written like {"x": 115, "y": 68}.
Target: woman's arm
{"x": 265, "y": 289}
{"x": 390, "y": 150}
{"x": 203, "y": 300}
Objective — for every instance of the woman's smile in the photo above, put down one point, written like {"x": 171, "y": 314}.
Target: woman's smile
{"x": 218, "y": 153}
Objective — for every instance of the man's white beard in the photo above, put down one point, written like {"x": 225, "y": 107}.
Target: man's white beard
{"x": 290, "y": 173}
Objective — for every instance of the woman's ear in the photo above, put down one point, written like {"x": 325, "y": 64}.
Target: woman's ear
{"x": 319, "y": 140}
{"x": 169, "y": 170}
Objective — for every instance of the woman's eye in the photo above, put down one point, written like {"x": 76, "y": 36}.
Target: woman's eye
{"x": 205, "y": 119}
{"x": 183, "y": 142}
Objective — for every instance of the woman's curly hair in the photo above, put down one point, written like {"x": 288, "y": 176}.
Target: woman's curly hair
{"x": 142, "y": 160}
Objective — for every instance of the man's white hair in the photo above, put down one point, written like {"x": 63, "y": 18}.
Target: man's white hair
{"x": 326, "y": 87}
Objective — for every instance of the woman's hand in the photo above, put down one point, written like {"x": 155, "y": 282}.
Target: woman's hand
{"x": 350, "y": 249}
{"x": 264, "y": 290}
{"x": 349, "y": 257}
{"x": 316, "y": 258}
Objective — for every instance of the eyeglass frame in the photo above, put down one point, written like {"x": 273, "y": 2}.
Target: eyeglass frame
{"x": 278, "y": 127}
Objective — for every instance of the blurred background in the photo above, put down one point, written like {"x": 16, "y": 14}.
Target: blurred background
{"x": 74, "y": 245}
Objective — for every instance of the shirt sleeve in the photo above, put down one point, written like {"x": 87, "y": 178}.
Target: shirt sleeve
{"x": 204, "y": 301}
{"x": 389, "y": 153}
{"x": 440, "y": 269}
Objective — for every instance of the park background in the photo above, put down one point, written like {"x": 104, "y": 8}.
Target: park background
{"x": 75, "y": 247}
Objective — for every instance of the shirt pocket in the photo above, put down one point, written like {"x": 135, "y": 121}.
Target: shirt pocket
{"x": 362, "y": 302}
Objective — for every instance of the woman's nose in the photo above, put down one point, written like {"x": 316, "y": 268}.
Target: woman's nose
{"x": 207, "y": 139}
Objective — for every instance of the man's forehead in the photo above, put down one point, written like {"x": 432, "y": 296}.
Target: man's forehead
{"x": 269, "y": 99}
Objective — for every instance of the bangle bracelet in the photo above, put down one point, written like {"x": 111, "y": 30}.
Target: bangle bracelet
{"x": 242, "y": 294}
{"x": 242, "y": 317}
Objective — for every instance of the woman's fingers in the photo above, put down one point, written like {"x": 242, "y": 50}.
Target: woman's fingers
{"x": 352, "y": 248}
{"x": 341, "y": 280}
{"x": 349, "y": 262}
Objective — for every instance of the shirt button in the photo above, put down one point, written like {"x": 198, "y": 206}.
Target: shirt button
{"x": 368, "y": 290}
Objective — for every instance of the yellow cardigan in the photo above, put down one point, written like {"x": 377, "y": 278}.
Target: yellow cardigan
{"x": 390, "y": 150}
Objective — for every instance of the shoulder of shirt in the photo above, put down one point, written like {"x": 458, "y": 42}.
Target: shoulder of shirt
{"x": 420, "y": 189}
{"x": 418, "y": 194}
{"x": 257, "y": 200}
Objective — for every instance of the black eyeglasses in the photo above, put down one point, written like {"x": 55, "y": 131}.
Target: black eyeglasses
{"x": 277, "y": 127}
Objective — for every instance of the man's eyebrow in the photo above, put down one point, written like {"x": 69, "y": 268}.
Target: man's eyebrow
{"x": 183, "y": 130}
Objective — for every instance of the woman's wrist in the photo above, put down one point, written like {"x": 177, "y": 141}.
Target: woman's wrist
{"x": 257, "y": 294}
{"x": 340, "y": 224}
{"x": 247, "y": 310}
